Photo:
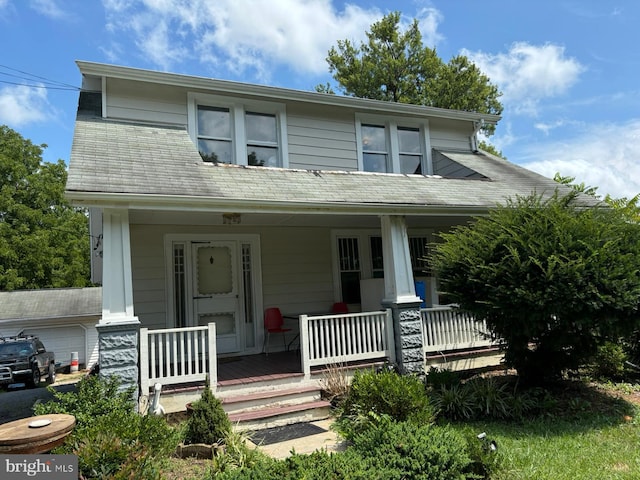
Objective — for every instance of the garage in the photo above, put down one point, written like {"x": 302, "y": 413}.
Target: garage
{"x": 64, "y": 319}
{"x": 62, "y": 340}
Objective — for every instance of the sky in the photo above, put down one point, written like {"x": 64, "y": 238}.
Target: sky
{"x": 568, "y": 69}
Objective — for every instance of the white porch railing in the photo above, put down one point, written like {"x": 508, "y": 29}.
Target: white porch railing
{"x": 328, "y": 339}
{"x": 177, "y": 355}
{"x": 445, "y": 329}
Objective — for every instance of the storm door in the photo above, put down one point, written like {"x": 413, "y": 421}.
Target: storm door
{"x": 216, "y": 292}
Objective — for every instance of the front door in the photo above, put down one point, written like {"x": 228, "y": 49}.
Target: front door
{"x": 216, "y": 292}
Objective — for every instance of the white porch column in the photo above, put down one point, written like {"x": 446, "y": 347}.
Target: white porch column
{"x": 117, "y": 290}
{"x": 400, "y": 295}
{"x": 119, "y": 328}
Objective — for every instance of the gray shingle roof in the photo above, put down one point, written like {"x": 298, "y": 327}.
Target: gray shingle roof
{"x": 50, "y": 303}
{"x": 139, "y": 159}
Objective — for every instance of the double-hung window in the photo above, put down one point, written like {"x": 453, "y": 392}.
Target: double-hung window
{"x": 393, "y": 145}
{"x": 375, "y": 152}
{"x": 359, "y": 256}
{"x": 237, "y": 131}
{"x": 214, "y": 134}
{"x": 262, "y": 139}
{"x": 410, "y": 150}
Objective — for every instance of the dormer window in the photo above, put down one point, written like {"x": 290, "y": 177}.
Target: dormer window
{"x": 262, "y": 139}
{"x": 214, "y": 134}
{"x": 393, "y": 145}
{"x": 375, "y": 152}
{"x": 410, "y": 150}
{"x": 238, "y": 131}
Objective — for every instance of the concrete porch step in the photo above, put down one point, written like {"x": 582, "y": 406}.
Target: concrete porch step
{"x": 269, "y": 417}
{"x": 270, "y": 398}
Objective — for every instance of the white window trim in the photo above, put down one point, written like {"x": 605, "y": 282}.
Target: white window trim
{"x": 364, "y": 250}
{"x": 391, "y": 131}
{"x": 237, "y": 107}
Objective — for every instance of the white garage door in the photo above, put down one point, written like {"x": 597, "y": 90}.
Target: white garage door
{"x": 62, "y": 341}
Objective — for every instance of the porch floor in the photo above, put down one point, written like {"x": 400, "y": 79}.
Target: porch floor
{"x": 257, "y": 368}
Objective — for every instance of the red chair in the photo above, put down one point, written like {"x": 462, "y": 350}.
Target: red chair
{"x": 273, "y": 323}
{"x": 339, "y": 307}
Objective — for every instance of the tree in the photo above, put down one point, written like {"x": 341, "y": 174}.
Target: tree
{"x": 627, "y": 206}
{"x": 553, "y": 279}
{"x": 395, "y": 66}
{"x": 44, "y": 242}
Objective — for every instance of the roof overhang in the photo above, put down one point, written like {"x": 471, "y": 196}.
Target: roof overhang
{"x": 214, "y": 204}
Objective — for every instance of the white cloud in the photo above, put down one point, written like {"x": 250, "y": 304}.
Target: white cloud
{"x": 48, "y": 8}
{"x": 429, "y": 20}
{"x": 21, "y": 105}
{"x": 604, "y": 156}
{"x": 248, "y": 34}
{"x": 529, "y": 73}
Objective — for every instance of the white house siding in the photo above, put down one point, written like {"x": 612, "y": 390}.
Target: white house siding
{"x": 148, "y": 274}
{"x": 146, "y": 102}
{"x": 450, "y": 134}
{"x": 321, "y": 139}
{"x": 297, "y": 269}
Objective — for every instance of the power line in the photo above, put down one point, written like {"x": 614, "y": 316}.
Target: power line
{"x": 46, "y": 87}
{"x": 30, "y": 77}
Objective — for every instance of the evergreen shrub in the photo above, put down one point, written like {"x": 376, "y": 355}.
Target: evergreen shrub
{"x": 401, "y": 397}
{"x": 208, "y": 422}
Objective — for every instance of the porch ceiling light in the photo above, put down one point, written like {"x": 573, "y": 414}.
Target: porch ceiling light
{"x": 231, "y": 218}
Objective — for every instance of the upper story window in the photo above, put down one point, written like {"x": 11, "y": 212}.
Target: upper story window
{"x": 410, "y": 150}
{"x": 238, "y": 131}
{"x": 262, "y": 139}
{"x": 214, "y": 134}
{"x": 393, "y": 145}
{"x": 375, "y": 152}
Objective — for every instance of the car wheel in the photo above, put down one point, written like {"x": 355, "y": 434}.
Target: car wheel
{"x": 51, "y": 376}
{"x": 34, "y": 381}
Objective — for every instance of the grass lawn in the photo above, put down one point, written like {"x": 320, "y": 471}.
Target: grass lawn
{"x": 590, "y": 435}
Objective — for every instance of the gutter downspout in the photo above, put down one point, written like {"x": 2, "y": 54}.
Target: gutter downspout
{"x": 477, "y": 126}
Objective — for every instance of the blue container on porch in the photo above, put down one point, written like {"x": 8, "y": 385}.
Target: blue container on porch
{"x": 421, "y": 292}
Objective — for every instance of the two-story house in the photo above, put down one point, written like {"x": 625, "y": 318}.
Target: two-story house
{"x": 215, "y": 200}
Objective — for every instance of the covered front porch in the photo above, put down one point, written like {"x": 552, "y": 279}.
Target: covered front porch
{"x": 185, "y": 292}
{"x": 180, "y": 359}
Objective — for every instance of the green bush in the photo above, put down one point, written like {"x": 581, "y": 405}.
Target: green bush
{"x": 93, "y": 398}
{"x": 110, "y": 438}
{"x": 402, "y": 397}
{"x": 453, "y": 402}
{"x": 118, "y": 443}
{"x": 208, "y": 422}
{"x": 609, "y": 362}
{"x": 399, "y": 450}
{"x": 487, "y": 398}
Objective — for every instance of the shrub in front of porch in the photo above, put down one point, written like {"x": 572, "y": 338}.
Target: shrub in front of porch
{"x": 401, "y": 397}
{"x": 553, "y": 278}
{"x": 208, "y": 423}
